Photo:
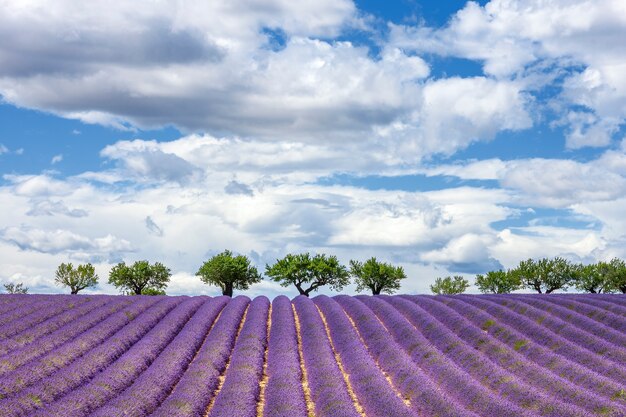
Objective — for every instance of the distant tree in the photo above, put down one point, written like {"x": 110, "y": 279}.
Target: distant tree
{"x": 139, "y": 277}
{"x": 229, "y": 272}
{"x": 84, "y": 276}
{"x": 617, "y": 275}
{"x": 152, "y": 291}
{"x": 545, "y": 275}
{"x": 450, "y": 285}
{"x": 593, "y": 278}
{"x": 497, "y": 282}
{"x": 308, "y": 273}
{"x": 376, "y": 276}
{"x": 17, "y": 288}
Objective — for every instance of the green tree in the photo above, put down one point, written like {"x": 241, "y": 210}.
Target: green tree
{"x": 17, "y": 288}
{"x": 84, "y": 276}
{"x": 139, "y": 277}
{"x": 376, "y": 276}
{"x": 152, "y": 291}
{"x": 450, "y": 285}
{"x": 545, "y": 275}
{"x": 229, "y": 272}
{"x": 497, "y": 282}
{"x": 593, "y": 278}
{"x": 617, "y": 275}
{"x": 309, "y": 273}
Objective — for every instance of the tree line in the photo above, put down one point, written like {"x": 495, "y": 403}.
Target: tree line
{"x": 544, "y": 275}
{"x": 230, "y": 272}
{"x": 307, "y": 273}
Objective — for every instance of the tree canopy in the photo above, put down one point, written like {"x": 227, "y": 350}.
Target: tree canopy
{"x": 140, "y": 277}
{"x": 545, "y": 275}
{"x": 497, "y": 282}
{"x": 593, "y": 278}
{"x": 376, "y": 276}
{"x": 84, "y": 276}
{"x": 229, "y": 272}
{"x": 17, "y": 288}
{"x": 616, "y": 276}
{"x": 450, "y": 285}
{"x": 309, "y": 273}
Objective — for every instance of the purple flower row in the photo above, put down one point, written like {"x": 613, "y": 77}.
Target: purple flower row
{"x": 240, "y": 392}
{"x": 451, "y": 378}
{"x": 376, "y": 395}
{"x": 154, "y": 384}
{"x": 56, "y": 317}
{"x": 583, "y": 331}
{"x": 195, "y": 389}
{"x": 30, "y": 313}
{"x": 328, "y": 388}
{"x": 410, "y": 380}
{"x": 87, "y": 318}
{"x": 45, "y": 365}
{"x": 542, "y": 347}
{"x": 601, "y": 304}
{"x": 546, "y": 392}
{"x": 83, "y": 369}
{"x": 284, "y": 395}
{"x": 533, "y": 330}
{"x": 608, "y": 320}
{"x": 121, "y": 373}
{"x": 9, "y": 302}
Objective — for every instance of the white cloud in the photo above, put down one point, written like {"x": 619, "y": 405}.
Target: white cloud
{"x": 537, "y": 43}
{"x": 56, "y": 159}
{"x": 64, "y": 241}
{"x": 3, "y": 149}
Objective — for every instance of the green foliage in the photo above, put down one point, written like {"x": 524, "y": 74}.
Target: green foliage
{"x": 545, "y": 275}
{"x": 309, "y": 273}
{"x": 152, "y": 291}
{"x": 140, "y": 277}
{"x": 617, "y": 276}
{"x": 84, "y": 276}
{"x": 593, "y": 278}
{"x": 17, "y": 288}
{"x": 376, "y": 276}
{"x": 229, "y": 272}
{"x": 450, "y": 285}
{"x": 497, "y": 282}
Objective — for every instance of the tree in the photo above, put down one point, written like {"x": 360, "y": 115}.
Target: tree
{"x": 593, "y": 278}
{"x": 377, "y": 276}
{"x": 17, "y": 288}
{"x": 84, "y": 276}
{"x": 545, "y": 275}
{"x": 450, "y": 285}
{"x": 139, "y": 277}
{"x": 497, "y": 282}
{"x": 229, "y": 272}
{"x": 617, "y": 275}
{"x": 309, "y": 273}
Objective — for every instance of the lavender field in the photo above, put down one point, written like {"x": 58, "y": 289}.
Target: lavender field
{"x": 466, "y": 355}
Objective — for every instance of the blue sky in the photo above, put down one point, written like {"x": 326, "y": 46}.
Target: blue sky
{"x": 449, "y": 139}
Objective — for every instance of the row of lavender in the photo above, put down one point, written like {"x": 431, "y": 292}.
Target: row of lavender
{"x": 526, "y": 355}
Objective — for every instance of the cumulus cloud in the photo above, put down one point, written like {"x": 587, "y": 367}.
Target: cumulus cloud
{"x": 538, "y": 44}
{"x": 64, "y": 241}
{"x": 51, "y": 208}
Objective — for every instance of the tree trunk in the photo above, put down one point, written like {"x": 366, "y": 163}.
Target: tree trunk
{"x": 376, "y": 291}
{"x": 228, "y": 290}
{"x": 138, "y": 290}
{"x": 74, "y": 291}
